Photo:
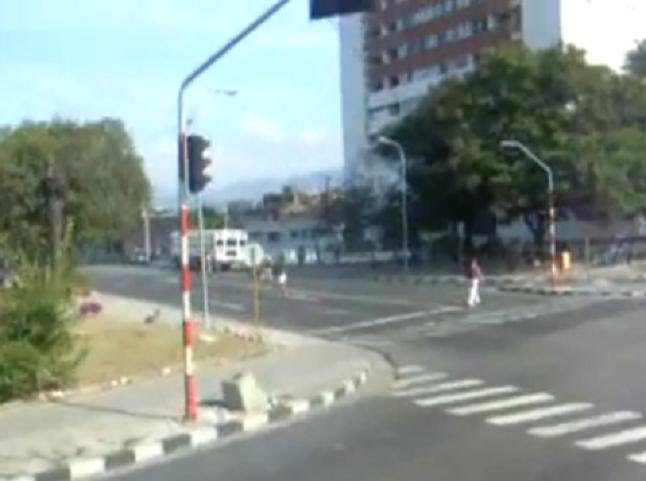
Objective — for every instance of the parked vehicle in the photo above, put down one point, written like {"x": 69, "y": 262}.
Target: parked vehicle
{"x": 224, "y": 248}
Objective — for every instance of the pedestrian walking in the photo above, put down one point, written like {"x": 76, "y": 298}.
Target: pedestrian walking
{"x": 475, "y": 278}
{"x": 282, "y": 281}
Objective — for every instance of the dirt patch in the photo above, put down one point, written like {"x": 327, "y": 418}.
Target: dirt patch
{"x": 116, "y": 349}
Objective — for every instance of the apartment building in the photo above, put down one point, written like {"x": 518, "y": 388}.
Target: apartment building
{"x": 392, "y": 56}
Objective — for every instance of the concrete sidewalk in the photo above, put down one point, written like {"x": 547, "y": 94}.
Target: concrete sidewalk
{"x": 40, "y": 436}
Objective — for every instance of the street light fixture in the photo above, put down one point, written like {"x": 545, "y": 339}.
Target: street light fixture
{"x": 514, "y": 144}
{"x": 404, "y": 212}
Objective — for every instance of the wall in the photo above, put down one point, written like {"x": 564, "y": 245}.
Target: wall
{"x": 353, "y": 93}
{"x": 541, "y": 22}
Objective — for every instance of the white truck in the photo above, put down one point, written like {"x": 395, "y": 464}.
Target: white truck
{"x": 224, "y": 248}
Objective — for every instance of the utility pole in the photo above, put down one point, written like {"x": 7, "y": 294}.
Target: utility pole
{"x": 55, "y": 189}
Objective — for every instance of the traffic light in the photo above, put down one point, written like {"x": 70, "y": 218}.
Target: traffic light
{"x": 328, "y": 8}
{"x": 198, "y": 162}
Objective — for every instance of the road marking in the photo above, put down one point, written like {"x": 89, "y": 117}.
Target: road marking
{"x": 447, "y": 386}
{"x": 537, "y": 414}
{"x": 465, "y": 396}
{"x": 419, "y": 379}
{"x": 502, "y": 404}
{"x": 300, "y": 296}
{"x": 613, "y": 439}
{"x": 583, "y": 424}
{"x": 410, "y": 369}
{"x": 638, "y": 457}
{"x": 228, "y": 305}
{"x": 388, "y": 320}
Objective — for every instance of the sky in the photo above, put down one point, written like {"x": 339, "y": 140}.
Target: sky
{"x": 86, "y": 60}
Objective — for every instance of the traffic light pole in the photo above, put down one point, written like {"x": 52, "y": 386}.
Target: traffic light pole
{"x": 190, "y": 384}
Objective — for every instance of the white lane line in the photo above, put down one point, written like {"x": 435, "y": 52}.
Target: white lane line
{"x": 538, "y": 414}
{"x": 228, "y": 305}
{"x": 562, "y": 429}
{"x": 501, "y": 404}
{"x": 436, "y": 388}
{"x": 389, "y": 320}
{"x": 419, "y": 379}
{"x": 613, "y": 439}
{"x": 465, "y": 396}
{"x": 638, "y": 457}
{"x": 410, "y": 369}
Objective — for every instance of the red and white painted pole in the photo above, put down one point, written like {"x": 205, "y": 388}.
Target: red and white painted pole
{"x": 190, "y": 383}
{"x": 188, "y": 328}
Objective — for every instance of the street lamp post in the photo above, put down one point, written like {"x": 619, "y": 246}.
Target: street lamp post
{"x": 190, "y": 383}
{"x": 404, "y": 211}
{"x": 514, "y": 144}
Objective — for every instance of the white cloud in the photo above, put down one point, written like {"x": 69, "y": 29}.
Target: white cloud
{"x": 312, "y": 137}
{"x": 264, "y": 129}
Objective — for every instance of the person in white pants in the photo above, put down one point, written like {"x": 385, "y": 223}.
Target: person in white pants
{"x": 475, "y": 277}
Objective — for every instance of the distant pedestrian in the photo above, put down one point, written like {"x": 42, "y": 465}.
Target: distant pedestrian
{"x": 282, "y": 281}
{"x": 476, "y": 276}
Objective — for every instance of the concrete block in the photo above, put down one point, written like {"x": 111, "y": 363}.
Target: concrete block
{"x": 242, "y": 393}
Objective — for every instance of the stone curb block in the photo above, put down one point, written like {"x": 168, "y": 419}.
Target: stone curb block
{"x": 571, "y": 291}
{"x": 195, "y": 437}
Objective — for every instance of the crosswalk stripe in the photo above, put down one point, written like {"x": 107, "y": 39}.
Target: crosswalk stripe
{"x": 464, "y": 396}
{"x": 500, "y": 404}
{"x": 562, "y": 429}
{"x": 422, "y": 378}
{"x": 537, "y": 414}
{"x": 435, "y": 388}
{"x": 410, "y": 369}
{"x": 613, "y": 439}
{"x": 638, "y": 457}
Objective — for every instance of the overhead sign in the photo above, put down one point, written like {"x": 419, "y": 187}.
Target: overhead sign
{"x": 329, "y": 8}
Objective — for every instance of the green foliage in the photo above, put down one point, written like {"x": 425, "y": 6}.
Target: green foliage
{"x": 213, "y": 218}
{"x": 104, "y": 182}
{"x": 636, "y": 60}
{"x": 37, "y": 349}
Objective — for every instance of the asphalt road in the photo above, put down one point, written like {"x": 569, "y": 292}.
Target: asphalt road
{"x": 524, "y": 388}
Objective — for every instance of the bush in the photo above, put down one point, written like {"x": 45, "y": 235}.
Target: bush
{"x": 20, "y": 364}
{"x": 37, "y": 349}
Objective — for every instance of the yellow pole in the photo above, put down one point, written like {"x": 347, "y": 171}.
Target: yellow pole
{"x": 256, "y": 295}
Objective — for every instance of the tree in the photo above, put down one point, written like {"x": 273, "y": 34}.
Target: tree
{"x": 636, "y": 60}
{"x": 213, "y": 218}
{"x": 550, "y": 100}
{"x": 101, "y": 175}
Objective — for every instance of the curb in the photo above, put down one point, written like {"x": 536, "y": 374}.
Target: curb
{"x": 572, "y": 291}
{"x": 510, "y": 284}
{"x": 195, "y": 437}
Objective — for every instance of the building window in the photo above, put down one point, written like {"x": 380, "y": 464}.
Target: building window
{"x": 448, "y": 6}
{"x": 393, "y": 81}
{"x": 394, "y": 109}
{"x": 402, "y": 51}
{"x": 273, "y": 236}
{"x": 293, "y": 234}
{"x": 431, "y": 42}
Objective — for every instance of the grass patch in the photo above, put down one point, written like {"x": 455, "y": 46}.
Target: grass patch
{"x": 116, "y": 349}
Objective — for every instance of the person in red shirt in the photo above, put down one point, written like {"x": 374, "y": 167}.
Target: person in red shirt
{"x": 475, "y": 278}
